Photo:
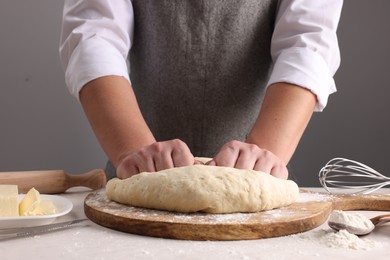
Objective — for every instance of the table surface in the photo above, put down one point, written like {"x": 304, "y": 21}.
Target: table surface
{"x": 91, "y": 241}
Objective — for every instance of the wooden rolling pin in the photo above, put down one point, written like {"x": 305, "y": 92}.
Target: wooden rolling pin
{"x": 53, "y": 181}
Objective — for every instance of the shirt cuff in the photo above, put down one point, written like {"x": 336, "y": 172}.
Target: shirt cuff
{"x": 305, "y": 68}
{"x": 84, "y": 65}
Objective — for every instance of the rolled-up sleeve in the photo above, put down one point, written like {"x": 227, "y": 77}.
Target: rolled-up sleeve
{"x": 305, "y": 48}
{"x": 96, "y": 37}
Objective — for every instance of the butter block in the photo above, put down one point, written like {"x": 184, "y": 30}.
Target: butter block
{"x": 9, "y": 202}
{"x": 43, "y": 207}
{"x": 29, "y": 201}
{"x": 32, "y": 205}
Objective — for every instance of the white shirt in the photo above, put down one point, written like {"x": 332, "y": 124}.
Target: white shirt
{"x": 97, "y": 35}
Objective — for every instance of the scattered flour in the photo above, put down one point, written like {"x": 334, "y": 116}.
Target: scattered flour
{"x": 342, "y": 238}
{"x": 312, "y": 196}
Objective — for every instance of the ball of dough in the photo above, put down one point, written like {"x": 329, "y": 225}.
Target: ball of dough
{"x": 201, "y": 188}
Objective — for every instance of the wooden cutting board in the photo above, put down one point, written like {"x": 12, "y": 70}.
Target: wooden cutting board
{"x": 308, "y": 212}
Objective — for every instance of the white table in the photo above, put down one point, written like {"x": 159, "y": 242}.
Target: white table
{"x": 91, "y": 241}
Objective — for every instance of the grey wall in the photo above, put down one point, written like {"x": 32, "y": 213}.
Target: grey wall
{"x": 356, "y": 122}
{"x": 43, "y": 127}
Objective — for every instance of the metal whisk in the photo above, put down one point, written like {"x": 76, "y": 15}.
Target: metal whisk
{"x": 341, "y": 173}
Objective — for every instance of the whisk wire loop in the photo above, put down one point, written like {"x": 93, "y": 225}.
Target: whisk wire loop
{"x": 342, "y": 173}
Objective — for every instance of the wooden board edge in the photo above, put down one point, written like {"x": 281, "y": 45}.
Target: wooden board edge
{"x": 212, "y": 232}
{"x": 375, "y": 202}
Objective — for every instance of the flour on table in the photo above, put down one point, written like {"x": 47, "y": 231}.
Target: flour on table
{"x": 342, "y": 238}
{"x": 339, "y": 239}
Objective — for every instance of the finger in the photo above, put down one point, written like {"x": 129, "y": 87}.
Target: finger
{"x": 122, "y": 173}
{"x": 145, "y": 157}
{"x": 228, "y": 154}
{"x": 246, "y": 162}
{"x": 181, "y": 154}
{"x": 247, "y": 157}
{"x": 274, "y": 168}
{"x": 196, "y": 162}
{"x": 163, "y": 161}
{"x": 146, "y": 165}
{"x": 211, "y": 163}
{"x": 126, "y": 168}
{"x": 263, "y": 165}
{"x": 280, "y": 171}
{"x": 183, "y": 159}
{"x": 144, "y": 160}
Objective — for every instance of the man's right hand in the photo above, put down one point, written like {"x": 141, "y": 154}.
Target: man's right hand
{"x": 155, "y": 157}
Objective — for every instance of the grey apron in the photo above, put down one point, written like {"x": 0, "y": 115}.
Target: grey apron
{"x": 199, "y": 68}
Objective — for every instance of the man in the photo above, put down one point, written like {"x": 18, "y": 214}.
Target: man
{"x": 236, "y": 81}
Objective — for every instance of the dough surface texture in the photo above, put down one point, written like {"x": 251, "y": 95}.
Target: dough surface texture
{"x": 200, "y": 188}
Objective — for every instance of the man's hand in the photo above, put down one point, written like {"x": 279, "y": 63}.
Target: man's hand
{"x": 155, "y": 157}
{"x": 242, "y": 155}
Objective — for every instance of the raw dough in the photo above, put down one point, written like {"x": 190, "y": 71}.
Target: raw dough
{"x": 210, "y": 189}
